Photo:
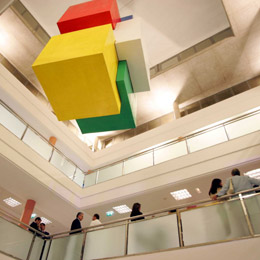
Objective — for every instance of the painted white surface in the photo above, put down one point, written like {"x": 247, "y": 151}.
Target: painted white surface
{"x": 240, "y": 250}
{"x": 129, "y": 47}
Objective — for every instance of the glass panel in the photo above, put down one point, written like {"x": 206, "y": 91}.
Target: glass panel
{"x": 79, "y": 177}
{"x": 37, "y": 144}
{"x": 207, "y": 139}
{"x": 90, "y": 179}
{"x": 11, "y": 122}
{"x": 170, "y": 152}
{"x": 45, "y": 250}
{"x": 138, "y": 163}
{"x": 37, "y": 248}
{"x": 243, "y": 126}
{"x": 66, "y": 248}
{"x": 14, "y": 240}
{"x": 107, "y": 242}
{"x": 253, "y": 209}
{"x": 152, "y": 235}
{"x": 110, "y": 172}
{"x": 60, "y": 162}
{"x": 214, "y": 223}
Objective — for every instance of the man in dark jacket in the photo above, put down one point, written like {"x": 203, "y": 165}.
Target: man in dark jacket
{"x": 36, "y": 224}
{"x": 76, "y": 223}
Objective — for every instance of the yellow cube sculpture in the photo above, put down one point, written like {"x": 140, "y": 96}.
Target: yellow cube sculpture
{"x": 78, "y": 70}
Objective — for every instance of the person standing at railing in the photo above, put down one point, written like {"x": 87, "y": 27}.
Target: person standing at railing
{"x": 136, "y": 211}
{"x": 237, "y": 183}
{"x": 42, "y": 229}
{"x": 216, "y": 186}
{"x": 95, "y": 220}
{"x": 76, "y": 222}
{"x": 36, "y": 224}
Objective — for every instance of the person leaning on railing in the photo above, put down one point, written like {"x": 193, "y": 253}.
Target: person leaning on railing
{"x": 238, "y": 183}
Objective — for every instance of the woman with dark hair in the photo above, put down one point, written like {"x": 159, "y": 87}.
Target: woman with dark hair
{"x": 136, "y": 211}
{"x": 216, "y": 186}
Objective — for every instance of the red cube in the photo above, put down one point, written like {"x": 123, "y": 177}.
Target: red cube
{"x": 89, "y": 14}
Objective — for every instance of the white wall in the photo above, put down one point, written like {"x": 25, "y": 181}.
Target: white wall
{"x": 246, "y": 249}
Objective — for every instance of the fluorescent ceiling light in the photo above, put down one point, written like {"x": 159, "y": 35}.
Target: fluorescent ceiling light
{"x": 12, "y": 202}
{"x": 254, "y": 173}
{"x": 122, "y": 209}
{"x": 45, "y": 220}
{"x": 181, "y": 194}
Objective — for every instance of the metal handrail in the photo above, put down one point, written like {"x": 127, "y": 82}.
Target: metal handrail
{"x": 165, "y": 210}
{"x": 179, "y": 209}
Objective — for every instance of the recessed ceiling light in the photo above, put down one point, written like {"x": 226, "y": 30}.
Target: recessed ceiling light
{"x": 122, "y": 209}
{"x": 198, "y": 190}
{"x": 33, "y": 215}
{"x": 12, "y": 202}
{"x": 254, "y": 173}
{"x": 110, "y": 213}
{"x": 45, "y": 220}
{"x": 181, "y": 194}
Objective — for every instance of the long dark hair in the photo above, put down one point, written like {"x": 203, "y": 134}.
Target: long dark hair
{"x": 136, "y": 208}
{"x": 216, "y": 183}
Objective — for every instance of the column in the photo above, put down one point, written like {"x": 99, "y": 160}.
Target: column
{"x": 176, "y": 110}
{"x": 27, "y": 212}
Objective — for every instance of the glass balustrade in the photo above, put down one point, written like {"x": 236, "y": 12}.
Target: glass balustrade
{"x": 61, "y": 163}
{"x": 110, "y": 172}
{"x": 14, "y": 240}
{"x": 138, "y": 163}
{"x": 214, "y": 223}
{"x": 66, "y": 248}
{"x": 11, "y": 122}
{"x": 170, "y": 152}
{"x": 209, "y": 222}
{"x": 38, "y": 144}
{"x": 216, "y": 135}
{"x": 153, "y": 234}
{"x": 108, "y": 242}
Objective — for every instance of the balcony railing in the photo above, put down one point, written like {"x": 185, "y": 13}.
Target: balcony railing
{"x": 233, "y": 217}
{"x": 198, "y": 140}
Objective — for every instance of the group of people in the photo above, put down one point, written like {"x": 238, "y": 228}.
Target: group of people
{"x": 39, "y": 226}
{"x": 76, "y": 225}
{"x": 234, "y": 184}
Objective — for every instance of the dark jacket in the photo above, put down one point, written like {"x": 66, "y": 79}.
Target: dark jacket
{"x": 136, "y": 213}
{"x": 75, "y": 225}
{"x": 35, "y": 226}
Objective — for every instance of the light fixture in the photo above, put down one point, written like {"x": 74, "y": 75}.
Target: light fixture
{"x": 254, "y": 173}
{"x": 33, "y": 215}
{"x": 198, "y": 190}
{"x": 45, "y": 220}
{"x": 122, "y": 209}
{"x": 12, "y": 202}
{"x": 110, "y": 213}
{"x": 181, "y": 194}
